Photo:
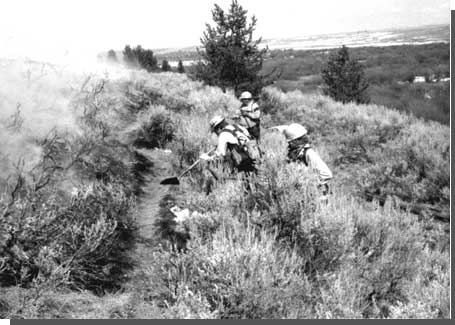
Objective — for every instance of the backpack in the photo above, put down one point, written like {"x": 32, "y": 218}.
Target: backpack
{"x": 246, "y": 151}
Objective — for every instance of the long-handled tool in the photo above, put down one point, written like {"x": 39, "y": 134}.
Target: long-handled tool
{"x": 175, "y": 180}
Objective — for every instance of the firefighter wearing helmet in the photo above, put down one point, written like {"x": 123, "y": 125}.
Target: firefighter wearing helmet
{"x": 300, "y": 150}
{"x": 231, "y": 141}
{"x": 249, "y": 114}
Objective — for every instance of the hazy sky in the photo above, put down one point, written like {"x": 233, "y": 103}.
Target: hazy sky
{"x": 45, "y": 29}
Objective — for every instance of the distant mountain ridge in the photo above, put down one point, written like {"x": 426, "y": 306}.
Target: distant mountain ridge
{"x": 385, "y": 37}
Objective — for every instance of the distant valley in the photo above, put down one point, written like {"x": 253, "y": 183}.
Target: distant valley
{"x": 389, "y": 37}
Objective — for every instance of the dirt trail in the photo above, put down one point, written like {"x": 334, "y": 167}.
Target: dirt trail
{"x": 148, "y": 204}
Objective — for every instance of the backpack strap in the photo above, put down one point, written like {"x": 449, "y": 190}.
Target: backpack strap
{"x": 236, "y": 132}
{"x": 240, "y": 148}
{"x": 231, "y": 132}
{"x": 302, "y": 153}
{"x": 241, "y": 131}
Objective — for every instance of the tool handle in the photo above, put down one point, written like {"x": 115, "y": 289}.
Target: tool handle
{"x": 194, "y": 164}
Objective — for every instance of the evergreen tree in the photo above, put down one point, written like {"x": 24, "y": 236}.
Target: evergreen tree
{"x": 180, "y": 68}
{"x": 111, "y": 56}
{"x": 344, "y": 78}
{"x": 129, "y": 57}
{"x": 165, "y": 66}
{"x": 230, "y": 56}
{"x": 140, "y": 58}
{"x": 146, "y": 59}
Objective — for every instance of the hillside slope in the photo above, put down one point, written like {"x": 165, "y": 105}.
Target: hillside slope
{"x": 274, "y": 251}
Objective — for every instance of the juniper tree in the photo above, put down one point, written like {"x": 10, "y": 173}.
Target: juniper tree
{"x": 180, "y": 68}
{"x": 111, "y": 56}
{"x": 140, "y": 58}
{"x": 146, "y": 59}
{"x": 231, "y": 58}
{"x": 165, "y": 66}
{"x": 344, "y": 78}
{"x": 129, "y": 57}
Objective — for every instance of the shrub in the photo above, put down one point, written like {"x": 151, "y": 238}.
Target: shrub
{"x": 239, "y": 275}
{"x": 387, "y": 258}
{"x": 137, "y": 97}
{"x": 418, "y": 171}
{"x": 44, "y": 235}
{"x": 156, "y": 129}
{"x": 428, "y": 293}
{"x": 68, "y": 212}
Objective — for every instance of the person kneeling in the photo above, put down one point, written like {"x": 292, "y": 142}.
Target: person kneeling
{"x": 231, "y": 146}
{"x": 300, "y": 150}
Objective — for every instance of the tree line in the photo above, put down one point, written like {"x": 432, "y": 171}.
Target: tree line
{"x": 140, "y": 58}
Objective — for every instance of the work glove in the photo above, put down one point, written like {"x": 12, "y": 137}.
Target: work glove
{"x": 205, "y": 157}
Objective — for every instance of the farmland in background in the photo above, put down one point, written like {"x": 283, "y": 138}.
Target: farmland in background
{"x": 392, "y": 58}
{"x": 390, "y": 70}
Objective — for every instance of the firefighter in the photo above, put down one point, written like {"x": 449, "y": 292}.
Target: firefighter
{"x": 300, "y": 150}
{"x": 249, "y": 115}
{"x": 232, "y": 145}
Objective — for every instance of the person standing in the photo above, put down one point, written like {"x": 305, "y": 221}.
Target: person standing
{"x": 250, "y": 115}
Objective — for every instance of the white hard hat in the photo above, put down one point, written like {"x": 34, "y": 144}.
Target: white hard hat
{"x": 246, "y": 95}
{"x": 216, "y": 120}
{"x": 294, "y": 131}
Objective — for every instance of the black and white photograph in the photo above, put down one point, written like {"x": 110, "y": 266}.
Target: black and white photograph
{"x": 225, "y": 159}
